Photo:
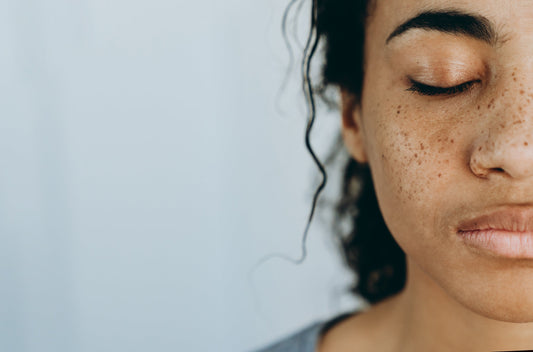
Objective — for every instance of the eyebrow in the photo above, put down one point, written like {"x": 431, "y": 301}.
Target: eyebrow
{"x": 450, "y": 21}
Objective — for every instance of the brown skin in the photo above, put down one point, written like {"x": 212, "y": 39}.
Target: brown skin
{"x": 437, "y": 160}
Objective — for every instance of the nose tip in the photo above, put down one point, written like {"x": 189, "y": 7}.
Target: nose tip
{"x": 513, "y": 157}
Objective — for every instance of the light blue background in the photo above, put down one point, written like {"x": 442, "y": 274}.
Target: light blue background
{"x": 145, "y": 168}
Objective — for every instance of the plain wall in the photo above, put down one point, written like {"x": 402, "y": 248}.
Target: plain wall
{"x": 145, "y": 167}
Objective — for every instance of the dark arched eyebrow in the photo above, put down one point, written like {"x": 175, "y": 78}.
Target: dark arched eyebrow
{"x": 450, "y": 21}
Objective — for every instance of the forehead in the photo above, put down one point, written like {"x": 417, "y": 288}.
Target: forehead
{"x": 507, "y": 17}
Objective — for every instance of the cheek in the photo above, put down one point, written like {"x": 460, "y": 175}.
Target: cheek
{"x": 414, "y": 157}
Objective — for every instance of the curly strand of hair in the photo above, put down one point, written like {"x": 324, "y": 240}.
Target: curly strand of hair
{"x": 286, "y": 40}
{"x": 309, "y": 52}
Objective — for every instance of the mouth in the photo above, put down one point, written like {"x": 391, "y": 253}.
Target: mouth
{"x": 506, "y": 233}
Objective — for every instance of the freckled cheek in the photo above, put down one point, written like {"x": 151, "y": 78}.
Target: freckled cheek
{"x": 402, "y": 170}
{"x": 409, "y": 168}
{"x": 411, "y": 186}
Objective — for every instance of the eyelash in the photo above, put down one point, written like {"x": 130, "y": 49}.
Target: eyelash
{"x": 424, "y": 89}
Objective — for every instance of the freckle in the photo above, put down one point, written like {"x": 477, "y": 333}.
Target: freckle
{"x": 440, "y": 175}
{"x": 422, "y": 146}
{"x": 502, "y": 125}
{"x": 526, "y": 144}
{"x": 416, "y": 155}
{"x": 419, "y": 162}
{"x": 480, "y": 148}
{"x": 398, "y": 111}
{"x": 451, "y": 140}
{"x": 478, "y": 107}
{"x": 513, "y": 74}
{"x": 522, "y": 91}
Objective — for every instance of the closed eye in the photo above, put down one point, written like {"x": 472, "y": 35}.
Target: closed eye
{"x": 424, "y": 89}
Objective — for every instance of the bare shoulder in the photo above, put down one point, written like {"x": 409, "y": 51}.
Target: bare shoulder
{"x": 367, "y": 331}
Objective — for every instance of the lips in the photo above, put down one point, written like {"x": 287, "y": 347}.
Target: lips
{"x": 506, "y": 233}
{"x": 515, "y": 220}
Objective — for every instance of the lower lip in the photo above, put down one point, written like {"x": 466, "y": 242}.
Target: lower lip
{"x": 510, "y": 244}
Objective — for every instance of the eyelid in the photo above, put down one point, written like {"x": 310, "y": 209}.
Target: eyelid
{"x": 429, "y": 90}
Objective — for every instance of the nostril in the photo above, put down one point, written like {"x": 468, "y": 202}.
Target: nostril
{"x": 502, "y": 159}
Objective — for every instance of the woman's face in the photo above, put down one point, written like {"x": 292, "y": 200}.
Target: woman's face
{"x": 442, "y": 157}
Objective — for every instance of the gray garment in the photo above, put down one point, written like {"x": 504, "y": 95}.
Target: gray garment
{"x": 306, "y": 339}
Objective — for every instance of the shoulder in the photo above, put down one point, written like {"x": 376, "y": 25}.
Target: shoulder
{"x": 374, "y": 329}
{"x": 304, "y": 340}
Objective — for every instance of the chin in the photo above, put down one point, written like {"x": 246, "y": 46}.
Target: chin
{"x": 501, "y": 290}
{"x": 502, "y": 302}
{"x": 516, "y": 313}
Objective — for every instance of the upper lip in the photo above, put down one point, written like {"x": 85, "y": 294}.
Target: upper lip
{"x": 515, "y": 220}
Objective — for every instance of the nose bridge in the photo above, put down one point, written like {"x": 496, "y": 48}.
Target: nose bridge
{"x": 518, "y": 75}
{"x": 507, "y": 144}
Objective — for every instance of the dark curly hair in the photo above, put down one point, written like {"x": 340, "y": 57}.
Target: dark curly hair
{"x": 368, "y": 247}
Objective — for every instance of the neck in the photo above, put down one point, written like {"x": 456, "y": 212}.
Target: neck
{"x": 428, "y": 319}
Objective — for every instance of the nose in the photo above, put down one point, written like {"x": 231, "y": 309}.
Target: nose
{"x": 505, "y": 150}
{"x": 504, "y": 145}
